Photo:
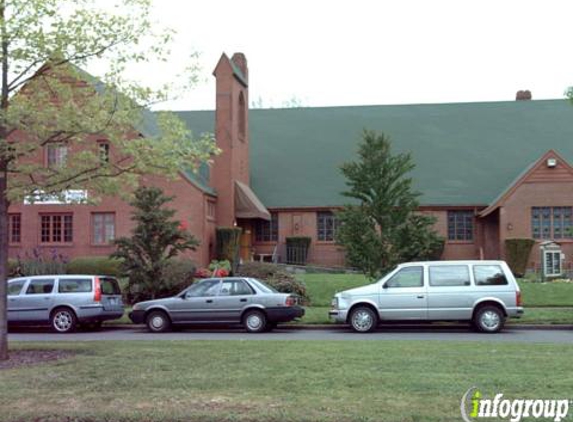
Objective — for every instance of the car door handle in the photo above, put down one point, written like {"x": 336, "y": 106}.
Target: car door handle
{"x": 420, "y": 297}
{"x": 242, "y": 300}
{"x": 209, "y": 301}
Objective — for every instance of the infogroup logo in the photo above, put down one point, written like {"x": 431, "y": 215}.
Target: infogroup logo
{"x": 475, "y": 406}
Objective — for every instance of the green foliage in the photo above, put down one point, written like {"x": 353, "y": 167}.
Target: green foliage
{"x": 41, "y": 262}
{"x": 178, "y": 274}
{"x": 156, "y": 239}
{"x": 274, "y": 276}
{"x": 228, "y": 245}
{"x": 95, "y": 265}
{"x": 220, "y": 265}
{"x": 517, "y": 253}
{"x": 382, "y": 227}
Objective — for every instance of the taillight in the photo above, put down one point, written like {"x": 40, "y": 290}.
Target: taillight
{"x": 290, "y": 301}
{"x": 518, "y": 299}
{"x": 97, "y": 291}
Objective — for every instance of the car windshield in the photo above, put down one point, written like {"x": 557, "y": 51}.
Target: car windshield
{"x": 262, "y": 286}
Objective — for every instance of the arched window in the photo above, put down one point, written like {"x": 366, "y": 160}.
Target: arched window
{"x": 242, "y": 116}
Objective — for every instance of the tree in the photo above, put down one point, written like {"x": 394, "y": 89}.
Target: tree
{"x": 155, "y": 241}
{"x": 382, "y": 227}
{"x": 48, "y": 102}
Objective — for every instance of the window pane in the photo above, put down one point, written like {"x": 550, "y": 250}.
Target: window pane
{"x": 75, "y": 285}
{"x": 449, "y": 275}
{"x": 460, "y": 225}
{"x": 407, "y": 277}
{"x": 489, "y": 275}
{"x": 38, "y": 287}
{"x": 15, "y": 287}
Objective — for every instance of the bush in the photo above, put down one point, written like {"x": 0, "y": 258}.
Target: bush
{"x": 517, "y": 253}
{"x": 274, "y": 276}
{"x": 40, "y": 263}
{"x": 178, "y": 274}
{"x": 95, "y": 265}
{"x": 13, "y": 268}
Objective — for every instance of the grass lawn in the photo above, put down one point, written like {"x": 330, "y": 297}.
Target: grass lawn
{"x": 278, "y": 380}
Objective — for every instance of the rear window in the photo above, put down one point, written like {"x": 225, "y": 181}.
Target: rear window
{"x": 489, "y": 275}
{"x": 75, "y": 285}
{"x": 449, "y": 275}
{"x": 109, "y": 286}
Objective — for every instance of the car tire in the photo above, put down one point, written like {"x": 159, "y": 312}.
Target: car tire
{"x": 255, "y": 321}
{"x": 158, "y": 322}
{"x": 63, "y": 320}
{"x": 489, "y": 319}
{"x": 363, "y": 319}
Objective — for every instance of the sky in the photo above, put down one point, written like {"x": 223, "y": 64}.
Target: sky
{"x": 367, "y": 52}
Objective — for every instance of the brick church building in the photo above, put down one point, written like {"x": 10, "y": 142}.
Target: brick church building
{"x": 487, "y": 172}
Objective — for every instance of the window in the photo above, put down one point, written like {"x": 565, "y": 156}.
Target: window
{"x": 461, "y": 225}
{"x": 103, "y": 227}
{"x": 15, "y": 228}
{"x": 210, "y": 210}
{"x": 242, "y": 117}
{"x": 209, "y": 287}
{"x": 489, "y": 275}
{"x": 109, "y": 286}
{"x": 551, "y": 222}
{"x": 56, "y": 228}
{"x": 75, "y": 285}
{"x": 267, "y": 231}
{"x": 235, "y": 288}
{"x": 15, "y": 287}
{"x": 103, "y": 150}
{"x": 407, "y": 277}
{"x": 326, "y": 224}
{"x": 57, "y": 155}
{"x": 449, "y": 275}
{"x": 40, "y": 287}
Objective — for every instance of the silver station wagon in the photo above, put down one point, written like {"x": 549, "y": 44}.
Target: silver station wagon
{"x": 231, "y": 300}
{"x": 484, "y": 293}
{"x": 64, "y": 301}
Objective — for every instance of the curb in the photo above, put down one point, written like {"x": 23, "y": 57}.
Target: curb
{"x": 337, "y": 327}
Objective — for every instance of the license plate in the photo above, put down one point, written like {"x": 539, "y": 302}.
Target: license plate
{"x": 113, "y": 301}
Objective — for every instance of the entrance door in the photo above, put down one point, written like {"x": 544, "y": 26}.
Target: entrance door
{"x": 246, "y": 244}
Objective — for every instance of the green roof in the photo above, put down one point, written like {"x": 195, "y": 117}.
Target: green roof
{"x": 465, "y": 153}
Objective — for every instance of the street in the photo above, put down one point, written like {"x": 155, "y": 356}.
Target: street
{"x": 392, "y": 333}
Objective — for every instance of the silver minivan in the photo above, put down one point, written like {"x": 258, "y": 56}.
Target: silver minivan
{"x": 484, "y": 293}
{"x": 64, "y": 301}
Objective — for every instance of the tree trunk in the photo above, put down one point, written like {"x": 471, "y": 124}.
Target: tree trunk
{"x": 3, "y": 264}
{"x": 3, "y": 189}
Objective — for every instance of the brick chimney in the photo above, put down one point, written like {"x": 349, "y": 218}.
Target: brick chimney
{"x": 523, "y": 95}
{"x": 231, "y": 133}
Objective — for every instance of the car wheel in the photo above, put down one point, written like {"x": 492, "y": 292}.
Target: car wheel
{"x": 363, "y": 319}
{"x": 255, "y": 322}
{"x": 489, "y": 319}
{"x": 158, "y": 322}
{"x": 63, "y": 320}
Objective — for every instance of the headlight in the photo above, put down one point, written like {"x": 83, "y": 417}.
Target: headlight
{"x": 137, "y": 307}
{"x": 334, "y": 303}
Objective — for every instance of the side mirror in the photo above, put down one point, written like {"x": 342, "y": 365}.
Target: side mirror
{"x": 385, "y": 286}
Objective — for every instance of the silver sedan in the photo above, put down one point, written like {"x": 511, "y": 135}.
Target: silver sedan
{"x": 232, "y": 300}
